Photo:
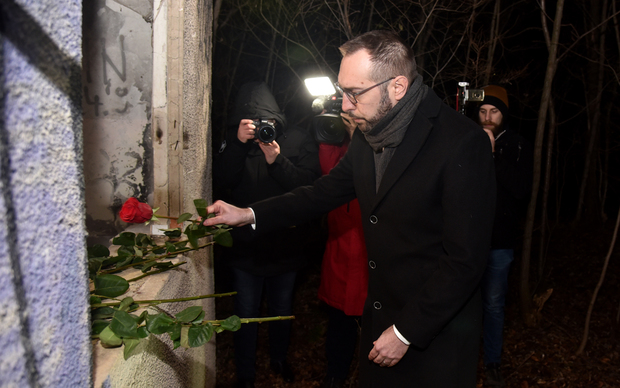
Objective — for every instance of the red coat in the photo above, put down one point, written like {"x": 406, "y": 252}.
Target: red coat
{"x": 344, "y": 273}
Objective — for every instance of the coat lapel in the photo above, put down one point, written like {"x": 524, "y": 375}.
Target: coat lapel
{"x": 417, "y": 133}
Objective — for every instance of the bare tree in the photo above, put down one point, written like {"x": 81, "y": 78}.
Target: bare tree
{"x": 552, "y": 43}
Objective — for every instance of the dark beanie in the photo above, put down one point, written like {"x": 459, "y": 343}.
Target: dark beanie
{"x": 496, "y": 96}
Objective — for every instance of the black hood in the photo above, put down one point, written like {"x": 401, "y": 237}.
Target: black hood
{"x": 255, "y": 101}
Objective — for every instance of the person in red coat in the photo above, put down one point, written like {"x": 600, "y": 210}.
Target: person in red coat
{"x": 344, "y": 272}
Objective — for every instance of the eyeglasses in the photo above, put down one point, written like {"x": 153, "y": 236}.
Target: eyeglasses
{"x": 353, "y": 96}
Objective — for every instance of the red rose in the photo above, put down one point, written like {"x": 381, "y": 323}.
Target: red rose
{"x": 134, "y": 211}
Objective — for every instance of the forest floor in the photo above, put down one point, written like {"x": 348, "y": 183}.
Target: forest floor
{"x": 540, "y": 356}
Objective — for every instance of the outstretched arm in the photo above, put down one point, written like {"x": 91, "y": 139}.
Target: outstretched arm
{"x": 228, "y": 214}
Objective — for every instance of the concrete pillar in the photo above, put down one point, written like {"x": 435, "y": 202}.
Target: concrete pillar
{"x": 44, "y": 310}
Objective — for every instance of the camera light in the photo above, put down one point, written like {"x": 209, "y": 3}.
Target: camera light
{"x": 320, "y": 86}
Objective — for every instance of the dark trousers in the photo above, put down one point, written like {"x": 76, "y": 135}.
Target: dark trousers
{"x": 279, "y": 294}
{"x": 342, "y": 334}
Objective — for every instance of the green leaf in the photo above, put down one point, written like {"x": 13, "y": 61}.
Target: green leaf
{"x": 97, "y": 326}
{"x": 199, "y": 335}
{"x": 125, "y": 303}
{"x": 184, "y": 217}
{"x": 192, "y": 237}
{"x": 130, "y": 345}
{"x": 232, "y": 323}
{"x": 110, "y": 285}
{"x": 102, "y": 313}
{"x": 170, "y": 247}
{"x": 109, "y": 339}
{"x": 124, "y": 325}
{"x": 143, "y": 332}
{"x": 223, "y": 238}
{"x": 175, "y": 332}
{"x": 201, "y": 207}
{"x": 98, "y": 250}
{"x": 163, "y": 265}
{"x": 94, "y": 265}
{"x": 173, "y": 233}
{"x": 189, "y": 314}
{"x": 95, "y": 299}
{"x": 138, "y": 251}
{"x": 125, "y": 239}
{"x": 176, "y": 344}
{"x": 199, "y": 319}
{"x": 159, "y": 324}
{"x": 111, "y": 260}
{"x": 143, "y": 240}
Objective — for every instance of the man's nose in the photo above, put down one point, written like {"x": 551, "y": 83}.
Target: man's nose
{"x": 487, "y": 116}
{"x": 347, "y": 105}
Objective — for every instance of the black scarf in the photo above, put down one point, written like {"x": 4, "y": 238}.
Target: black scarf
{"x": 390, "y": 130}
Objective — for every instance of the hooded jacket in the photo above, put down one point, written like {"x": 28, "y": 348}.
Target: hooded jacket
{"x": 242, "y": 172}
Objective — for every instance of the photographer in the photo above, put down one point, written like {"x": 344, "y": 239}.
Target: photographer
{"x": 251, "y": 167}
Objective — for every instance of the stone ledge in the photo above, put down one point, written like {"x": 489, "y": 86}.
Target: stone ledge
{"x": 154, "y": 362}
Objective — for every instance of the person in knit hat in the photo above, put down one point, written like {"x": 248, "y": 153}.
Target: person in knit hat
{"x": 513, "y": 170}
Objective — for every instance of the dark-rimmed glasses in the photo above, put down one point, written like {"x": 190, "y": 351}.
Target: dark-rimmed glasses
{"x": 353, "y": 96}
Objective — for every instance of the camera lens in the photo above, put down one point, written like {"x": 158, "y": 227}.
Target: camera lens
{"x": 266, "y": 133}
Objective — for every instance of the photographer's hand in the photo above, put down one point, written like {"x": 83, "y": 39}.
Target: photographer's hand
{"x": 348, "y": 123}
{"x": 492, "y": 137}
{"x": 271, "y": 150}
{"x": 228, "y": 214}
{"x": 246, "y": 130}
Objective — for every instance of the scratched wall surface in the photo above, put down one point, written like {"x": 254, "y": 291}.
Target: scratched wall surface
{"x": 116, "y": 100}
{"x": 44, "y": 310}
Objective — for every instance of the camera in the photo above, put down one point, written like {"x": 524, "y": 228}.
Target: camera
{"x": 464, "y": 94}
{"x": 328, "y": 126}
{"x": 265, "y": 131}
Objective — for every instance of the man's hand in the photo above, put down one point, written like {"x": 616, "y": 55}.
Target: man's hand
{"x": 229, "y": 215}
{"x": 388, "y": 349}
{"x": 271, "y": 150}
{"x": 492, "y": 137}
{"x": 246, "y": 130}
{"x": 349, "y": 124}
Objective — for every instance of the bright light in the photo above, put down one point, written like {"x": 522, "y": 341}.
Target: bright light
{"x": 320, "y": 86}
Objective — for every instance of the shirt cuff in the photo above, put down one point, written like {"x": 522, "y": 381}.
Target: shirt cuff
{"x": 254, "y": 216}
{"x": 400, "y": 336}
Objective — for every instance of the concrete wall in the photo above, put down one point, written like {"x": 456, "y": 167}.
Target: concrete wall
{"x": 44, "y": 335}
{"x": 116, "y": 99}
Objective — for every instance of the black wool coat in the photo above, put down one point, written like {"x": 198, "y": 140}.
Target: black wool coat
{"x": 427, "y": 230}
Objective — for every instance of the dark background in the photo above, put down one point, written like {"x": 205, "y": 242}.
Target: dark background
{"x": 283, "y": 42}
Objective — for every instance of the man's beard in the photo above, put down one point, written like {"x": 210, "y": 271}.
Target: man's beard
{"x": 496, "y": 128}
{"x": 385, "y": 105}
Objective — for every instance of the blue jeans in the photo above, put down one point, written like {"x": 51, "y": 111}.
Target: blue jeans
{"x": 279, "y": 294}
{"x": 494, "y": 286}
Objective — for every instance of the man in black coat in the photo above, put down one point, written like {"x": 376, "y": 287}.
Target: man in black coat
{"x": 513, "y": 168}
{"x": 424, "y": 178}
{"x": 263, "y": 157}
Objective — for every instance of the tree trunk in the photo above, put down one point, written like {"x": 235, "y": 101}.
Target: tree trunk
{"x": 588, "y": 192}
{"x": 525, "y": 297}
{"x": 493, "y": 37}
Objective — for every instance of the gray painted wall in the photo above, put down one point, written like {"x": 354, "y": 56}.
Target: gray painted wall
{"x": 44, "y": 336}
{"x": 117, "y": 90}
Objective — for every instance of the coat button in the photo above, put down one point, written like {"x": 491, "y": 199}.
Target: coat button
{"x": 373, "y": 219}
{"x": 377, "y": 305}
{"x": 372, "y": 264}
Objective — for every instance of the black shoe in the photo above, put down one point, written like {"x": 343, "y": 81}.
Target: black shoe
{"x": 244, "y": 383}
{"x": 494, "y": 376}
{"x": 333, "y": 382}
{"x": 282, "y": 368}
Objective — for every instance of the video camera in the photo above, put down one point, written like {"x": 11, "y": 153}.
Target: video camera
{"x": 464, "y": 94}
{"x": 265, "y": 131}
{"x": 327, "y": 125}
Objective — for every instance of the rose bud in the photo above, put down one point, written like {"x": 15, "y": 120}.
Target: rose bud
{"x": 134, "y": 211}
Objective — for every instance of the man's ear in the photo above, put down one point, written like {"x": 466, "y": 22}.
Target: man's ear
{"x": 401, "y": 85}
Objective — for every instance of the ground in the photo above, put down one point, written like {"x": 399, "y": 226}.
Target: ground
{"x": 539, "y": 356}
